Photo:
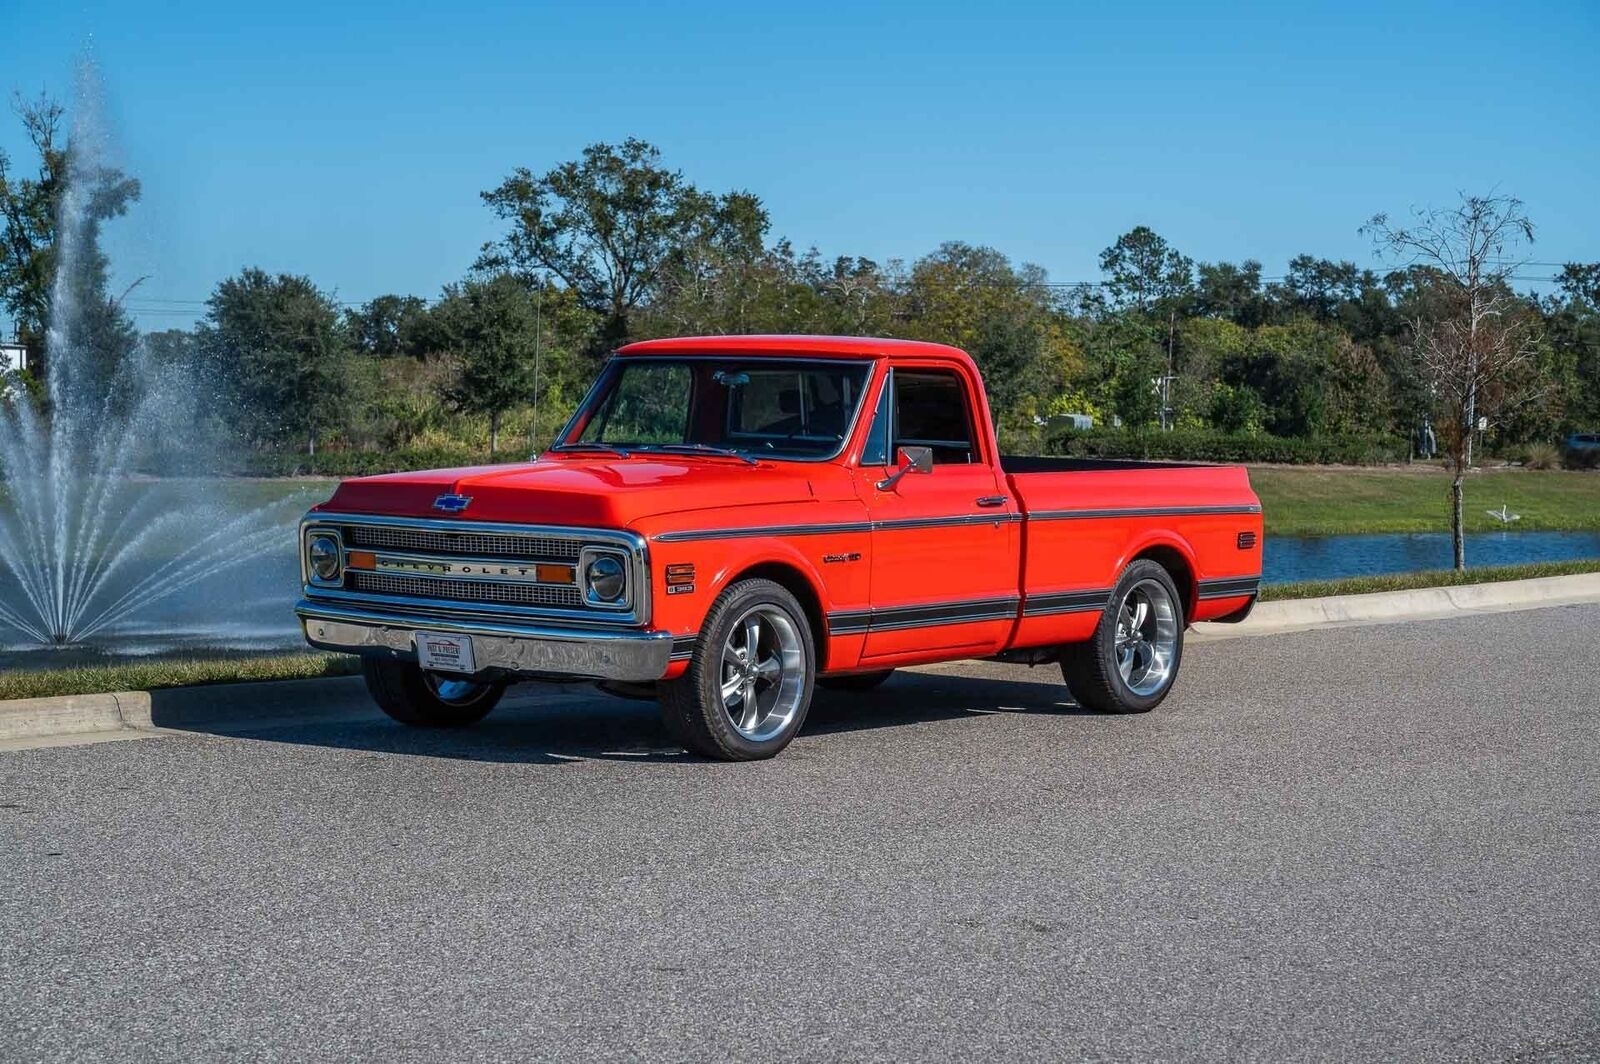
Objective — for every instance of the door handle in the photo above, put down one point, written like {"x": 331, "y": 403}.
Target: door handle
{"x": 992, "y": 500}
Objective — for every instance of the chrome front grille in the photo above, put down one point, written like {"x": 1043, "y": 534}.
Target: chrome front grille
{"x": 465, "y": 590}
{"x": 473, "y": 580}
{"x": 474, "y": 544}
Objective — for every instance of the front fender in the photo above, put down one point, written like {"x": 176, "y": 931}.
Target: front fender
{"x": 828, "y": 572}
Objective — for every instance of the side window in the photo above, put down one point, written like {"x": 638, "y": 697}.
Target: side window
{"x": 930, "y": 410}
{"x": 876, "y": 452}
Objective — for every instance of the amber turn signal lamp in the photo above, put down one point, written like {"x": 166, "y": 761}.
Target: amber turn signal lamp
{"x": 556, "y": 574}
{"x": 360, "y": 559}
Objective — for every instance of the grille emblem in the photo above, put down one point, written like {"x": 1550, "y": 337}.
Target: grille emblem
{"x": 452, "y": 504}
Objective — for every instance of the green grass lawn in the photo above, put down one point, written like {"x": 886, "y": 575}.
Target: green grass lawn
{"x": 1365, "y": 585}
{"x": 187, "y": 672}
{"x": 1325, "y": 502}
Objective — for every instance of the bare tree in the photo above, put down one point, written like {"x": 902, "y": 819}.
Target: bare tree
{"x": 1472, "y": 338}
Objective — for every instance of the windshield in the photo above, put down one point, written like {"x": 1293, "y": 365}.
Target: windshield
{"x": 761, "y": 407}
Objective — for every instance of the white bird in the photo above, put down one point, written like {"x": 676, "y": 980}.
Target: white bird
{"x": 1503, "y": 515}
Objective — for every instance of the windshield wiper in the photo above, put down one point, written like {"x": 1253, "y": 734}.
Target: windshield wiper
{"x": 613, "y": 448}
{"x": 699, "y": 448}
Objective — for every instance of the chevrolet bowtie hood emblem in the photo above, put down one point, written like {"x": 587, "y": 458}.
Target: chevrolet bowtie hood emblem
{"x": 452, "y": 504}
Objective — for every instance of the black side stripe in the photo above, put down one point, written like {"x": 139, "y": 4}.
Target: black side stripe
{"x": 849, "y": 526}
{"x": 943, "y": 522}
{"x": 1066, "y": 602}
{"x": 1140, "y": 511}
{"x": 690, "y": 535}
{"x": 856, "y": 622}
{"x": 1230, "y": 588}
{"x": 851, "y": 622}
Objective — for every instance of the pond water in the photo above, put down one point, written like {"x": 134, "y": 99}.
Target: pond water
{"x": 1292, "y": 558}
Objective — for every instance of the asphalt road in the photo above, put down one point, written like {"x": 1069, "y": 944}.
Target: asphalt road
{"x": 1359, "y": 844}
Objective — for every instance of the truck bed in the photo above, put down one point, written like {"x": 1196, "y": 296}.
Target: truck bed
{"x": 1030, "y": 463}
{"x": 1084, "y": 519}
{"x": 1044, "y": 485}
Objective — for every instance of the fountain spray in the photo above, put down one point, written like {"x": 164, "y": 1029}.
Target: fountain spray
{"x": 88, "y": 540}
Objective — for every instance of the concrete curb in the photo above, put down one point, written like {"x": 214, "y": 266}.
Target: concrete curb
{"x": 29, "y": 718}
{"x": 1422, "y": 604}
{"x": 245, "y": 706}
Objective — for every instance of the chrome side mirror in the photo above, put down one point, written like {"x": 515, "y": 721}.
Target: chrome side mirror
{"x": 912, "y": 460}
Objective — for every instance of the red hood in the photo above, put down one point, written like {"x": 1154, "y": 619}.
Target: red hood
{"x": 600, "y": 492}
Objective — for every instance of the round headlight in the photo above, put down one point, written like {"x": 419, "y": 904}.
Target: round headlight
{"x": 606, "y": 578}
{"x": 323, "y": 554}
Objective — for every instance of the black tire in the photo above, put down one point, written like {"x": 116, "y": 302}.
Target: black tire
{"x": 405, "y": 692}
{"x": 693, "y": 707}
{"x": 1093, "y": 669}
{"x": 855, "y": 681}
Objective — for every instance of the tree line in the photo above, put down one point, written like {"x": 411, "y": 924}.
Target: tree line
{"x": 616, "y": 246}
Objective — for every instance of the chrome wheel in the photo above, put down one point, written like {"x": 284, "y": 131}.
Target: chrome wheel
{"x": 1147, "y": 637}
{"x": 453, "y": 691}
{"x": 763, "y": 673}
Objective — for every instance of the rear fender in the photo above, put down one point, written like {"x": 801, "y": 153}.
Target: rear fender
{"x": 1166, "y": 539}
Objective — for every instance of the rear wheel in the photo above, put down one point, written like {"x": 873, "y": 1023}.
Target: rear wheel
{"x": 428, "y": 699}
{"x": 855, "y": 681}
{"x": 748, "y": 686}
{"x": 1131, "y": 661}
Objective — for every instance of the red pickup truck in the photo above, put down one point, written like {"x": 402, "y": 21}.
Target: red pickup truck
{"x": 729, "y": 521}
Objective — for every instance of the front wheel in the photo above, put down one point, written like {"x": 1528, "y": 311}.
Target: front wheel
{"x": 748, "y": 686}
{"x": 1130, "y": 662}
{"x": 428, "y": 699}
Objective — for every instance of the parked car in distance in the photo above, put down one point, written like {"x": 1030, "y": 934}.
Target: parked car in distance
{"x": 1583, "y": 441}
{"x": 1581, "y": 450}
{"x": 729, "y": 521}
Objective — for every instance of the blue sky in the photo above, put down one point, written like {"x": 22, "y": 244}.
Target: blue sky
{"x": 349, "y": 141}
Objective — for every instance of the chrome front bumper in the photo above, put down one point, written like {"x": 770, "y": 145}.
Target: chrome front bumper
{"x": 589, "y": 653}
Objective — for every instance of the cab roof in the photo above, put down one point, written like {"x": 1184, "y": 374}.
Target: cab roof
{"x": 816, "y": 346}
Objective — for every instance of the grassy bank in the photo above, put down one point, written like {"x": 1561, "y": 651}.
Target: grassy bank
{"x": 1326, "y": 502}
{"x": 151, "y": 675}
{"x": 1365, "y": 585}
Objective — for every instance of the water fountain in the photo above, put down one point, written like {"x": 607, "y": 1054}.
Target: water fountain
{"x": 98, "y": 550}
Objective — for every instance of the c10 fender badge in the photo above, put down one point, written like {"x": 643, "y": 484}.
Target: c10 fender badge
{"x": 452, "y": 504}
{"x": 853, "y": 556}
{"x": 680, "y": 589}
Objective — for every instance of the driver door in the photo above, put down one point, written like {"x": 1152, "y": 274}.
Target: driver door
{"x": 944, "y": 543}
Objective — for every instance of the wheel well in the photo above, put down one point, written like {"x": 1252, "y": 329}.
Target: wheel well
{"x": 795, "y": 582}
{"x": 1177, "y": 567}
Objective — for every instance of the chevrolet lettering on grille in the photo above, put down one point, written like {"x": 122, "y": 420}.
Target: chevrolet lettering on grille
{"x": 496, "y": 571}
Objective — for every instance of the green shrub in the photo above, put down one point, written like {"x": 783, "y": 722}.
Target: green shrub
{"x": 362, "y": 463}
{"x": 1540, "y": 456}
{"x": 1201, "y": 445}
{"x": 1236, "y": 410}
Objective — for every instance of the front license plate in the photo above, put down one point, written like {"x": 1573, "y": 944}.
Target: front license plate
{"x": 440, "y": 652}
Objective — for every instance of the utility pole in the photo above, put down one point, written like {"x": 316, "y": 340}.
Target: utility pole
{"x": 538, "y": 329}
{"x": 1166, "y": 382}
